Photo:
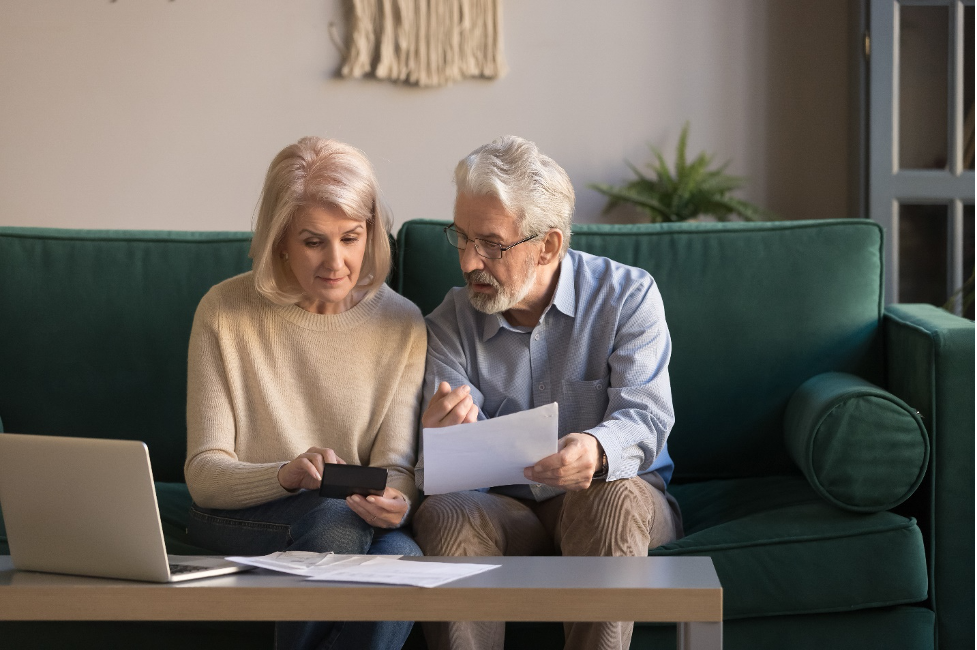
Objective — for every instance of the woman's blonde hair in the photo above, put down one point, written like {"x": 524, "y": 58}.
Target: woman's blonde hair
{"x": 317, "y": 172}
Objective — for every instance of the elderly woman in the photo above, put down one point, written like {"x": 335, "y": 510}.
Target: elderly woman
{"x": 306, "y": 360}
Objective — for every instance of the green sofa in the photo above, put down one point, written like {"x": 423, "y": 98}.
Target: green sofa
{"x": 823, "y": 443}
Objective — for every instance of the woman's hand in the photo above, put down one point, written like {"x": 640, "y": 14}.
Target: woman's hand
{"x": 385, "y": 511}
{"x": 306, "y": 470}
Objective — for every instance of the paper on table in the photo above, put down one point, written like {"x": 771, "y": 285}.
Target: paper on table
{"x": 400, "y": 572}
{"x": 383, "y": 569}
{"x": 489, "y": 452}
{"x": 305, "y": 563}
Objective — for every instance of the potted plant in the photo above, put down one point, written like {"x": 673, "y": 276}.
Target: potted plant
{"x": 691, "y": 191}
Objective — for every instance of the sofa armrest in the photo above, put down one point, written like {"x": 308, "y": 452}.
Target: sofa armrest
{"x": 930, "y": 364}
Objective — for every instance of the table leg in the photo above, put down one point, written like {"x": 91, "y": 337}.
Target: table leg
{"x": 700, "y": 636}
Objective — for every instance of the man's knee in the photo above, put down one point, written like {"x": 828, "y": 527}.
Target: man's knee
{"x": 453, "y": 524}
{"x": 611, "y": 501}
{"x": 609, "y": 518}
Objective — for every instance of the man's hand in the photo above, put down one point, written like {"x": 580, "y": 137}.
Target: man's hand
{"x": 305, "y": 471}
{"x": 449, "y": 407}
{"x": 572, "y": 467}
{"x": 385, "y": 511}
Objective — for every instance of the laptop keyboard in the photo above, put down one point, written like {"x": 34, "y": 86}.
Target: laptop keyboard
{"x": 178, "y": 569}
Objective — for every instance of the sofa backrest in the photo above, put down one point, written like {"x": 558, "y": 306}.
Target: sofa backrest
{"x": 94, "y": 327}
{"x": 754, "y": 309}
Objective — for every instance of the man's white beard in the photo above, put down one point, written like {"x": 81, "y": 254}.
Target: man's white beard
{"x": 505, "y": 298}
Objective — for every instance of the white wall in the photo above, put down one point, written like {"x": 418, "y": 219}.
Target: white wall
{"x": 165, "y": 114}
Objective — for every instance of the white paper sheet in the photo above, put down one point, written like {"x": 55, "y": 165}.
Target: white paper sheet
{"x": 305, "y": 563}
{"x": 381, "y": 569}
{"x": 490, "y": 452}
{"x": 401, "y": 572}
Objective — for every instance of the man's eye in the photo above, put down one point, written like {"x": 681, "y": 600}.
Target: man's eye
{"x": 490, "y": 245}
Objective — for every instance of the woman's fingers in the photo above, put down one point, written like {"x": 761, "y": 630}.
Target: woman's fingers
{"x": 385, "y": 511}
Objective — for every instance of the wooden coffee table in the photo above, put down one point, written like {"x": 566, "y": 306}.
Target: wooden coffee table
{"x": 682, "y": 590}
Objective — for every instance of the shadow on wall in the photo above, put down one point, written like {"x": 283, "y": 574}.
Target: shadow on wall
{"x": 802, "y": 144}
{"x": 808, "y": 102}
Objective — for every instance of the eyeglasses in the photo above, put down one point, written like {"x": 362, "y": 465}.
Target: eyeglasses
{"x": 487, "y": 249}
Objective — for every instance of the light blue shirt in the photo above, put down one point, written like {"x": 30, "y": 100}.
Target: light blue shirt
{"x": 600, "y": 350}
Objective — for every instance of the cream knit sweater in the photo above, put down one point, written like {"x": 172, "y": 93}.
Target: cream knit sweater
{"x": 266, "y": 382}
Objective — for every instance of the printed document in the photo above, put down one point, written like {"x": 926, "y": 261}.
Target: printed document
{"x": 303, "y": 563}
{"x": 489, "y": 452}
{"x": 381, "y": 569}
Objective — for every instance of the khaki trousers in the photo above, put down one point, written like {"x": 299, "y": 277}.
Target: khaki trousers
{"x": 617, "y": 518}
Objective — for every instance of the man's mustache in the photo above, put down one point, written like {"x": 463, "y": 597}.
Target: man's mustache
{"x": 482, "y": 277}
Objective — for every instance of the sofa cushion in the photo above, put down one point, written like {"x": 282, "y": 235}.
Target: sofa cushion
{"x": 754, "y": 310}
{"x": 780, "y": 549}
{"x": 102, "y": 320}
{"x": 860, "y": 447}
{"x": 174, "y": 513}
{"x": 777, "y": 546}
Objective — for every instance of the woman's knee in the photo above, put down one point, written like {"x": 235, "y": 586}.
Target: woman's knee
{"x": 228, "y": 532}
{"x": 331, "y": 526}
{"x": 395, "y": 542}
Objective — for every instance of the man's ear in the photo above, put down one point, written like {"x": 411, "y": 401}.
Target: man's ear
{"x": 552, "y": 243}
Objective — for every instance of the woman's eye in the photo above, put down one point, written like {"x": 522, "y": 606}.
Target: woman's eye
{"x": 312, "y": 243}
{"x": 350, "y": 240}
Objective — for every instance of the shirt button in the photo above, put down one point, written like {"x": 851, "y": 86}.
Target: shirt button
{"x": 599, "y": 386}
{"x": 542, "y": 386}
{"x": 536, "y": 337}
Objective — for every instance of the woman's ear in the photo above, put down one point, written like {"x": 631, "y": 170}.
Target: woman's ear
{"x": 552, "y": 243}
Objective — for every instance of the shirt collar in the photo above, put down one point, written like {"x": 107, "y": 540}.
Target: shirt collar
{"x": 564, "y": 299}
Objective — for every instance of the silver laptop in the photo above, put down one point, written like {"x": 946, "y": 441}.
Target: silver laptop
{"x": 87, "y": 506}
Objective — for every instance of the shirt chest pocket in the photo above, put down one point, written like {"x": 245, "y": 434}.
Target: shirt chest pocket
{"x": 582, "y": 404}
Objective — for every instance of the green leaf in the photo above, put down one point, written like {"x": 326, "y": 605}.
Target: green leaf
{"x": 690, "y": 190}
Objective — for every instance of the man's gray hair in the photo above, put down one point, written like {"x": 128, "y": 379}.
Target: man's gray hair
{"x": 528, "y": 183}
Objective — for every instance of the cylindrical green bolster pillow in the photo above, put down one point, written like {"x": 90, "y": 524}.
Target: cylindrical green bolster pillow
{"x": 861, "y": 448}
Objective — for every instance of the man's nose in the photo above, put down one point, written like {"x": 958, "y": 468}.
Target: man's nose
{"x": 470, "y": 260}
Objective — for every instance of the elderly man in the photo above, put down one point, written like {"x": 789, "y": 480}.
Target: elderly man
{"x": 536, "y": 323}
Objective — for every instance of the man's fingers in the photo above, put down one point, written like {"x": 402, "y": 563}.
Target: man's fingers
{"x": 459, "y": 414}
{"x": 449, "y": 407}
{"x": 472, "y": 415}
{"x": 454, "y": 398}
{"x": 549, "y": 464}
{"x": 443, "y": 389}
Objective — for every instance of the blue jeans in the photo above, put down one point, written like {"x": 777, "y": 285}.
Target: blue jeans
{"x": 307, "y": 522}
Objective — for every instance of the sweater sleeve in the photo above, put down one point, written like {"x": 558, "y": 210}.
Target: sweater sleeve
{"x": 395, "y": 446}
{"x": 214, "y": 475}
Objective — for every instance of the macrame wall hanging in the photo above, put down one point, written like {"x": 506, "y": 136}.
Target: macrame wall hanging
{"x": 425, "y": 42}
